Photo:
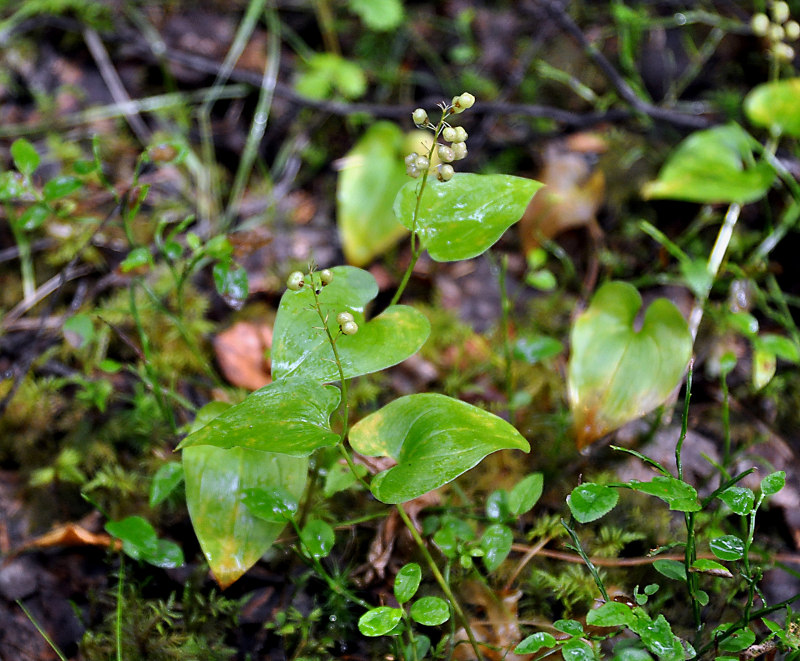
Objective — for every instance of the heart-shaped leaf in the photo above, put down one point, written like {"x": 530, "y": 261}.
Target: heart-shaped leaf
{"x": 301, "y": 348}
{"x": 715, "y": 165}
{"x": 616, "y": 373}
{"x": 464, "y": 217}
{"x": 433, "y": 438}
{"x": 232, "y": 538}
{"x": 290, "y": 416}
{"x": 774, "y": 106}
{"x": 372, "y": 173}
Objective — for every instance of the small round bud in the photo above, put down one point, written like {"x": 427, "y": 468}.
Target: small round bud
{"x": 776, "y": 32}
{"x": 461, "y": 134}
{"x": 760, "y": 24}
{"x": 780, "y": 12}
{"x": 783, "y": 52}
{"x": 449, "y": 134}
{"x": 295, "y": 281}
{"x": 326, "y": 276}
{"x": 350, "y": 328}
{"x": 422, "y": 163}
{"x": 466, "y": 100}
{"x": 792, "y": 30}
{"x": 459, "y": 150}
{"x": 446, "y": 172}
{"x": 412, "y": 171}
{"x": 411, "y": 159}
{"x": 420, "y": 117}
{"x": 445, "y": 153}
{"x": 344, "y": 317}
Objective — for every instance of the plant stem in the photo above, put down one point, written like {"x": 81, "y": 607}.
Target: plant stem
{"x": 589, "y": 564}
{"x": 440, "y": 579}
{"x": 118, "y": 623}
{"x": 505, "y": 306}
{"x": 41, "y": 631}
{"x": 25, "y": 260}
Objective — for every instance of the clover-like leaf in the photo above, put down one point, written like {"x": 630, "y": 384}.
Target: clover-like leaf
{"x": 290, "y": 416}
{"x": 232, "y": 538}
{"x": 301, "y": 348}
{"x": 433, "y": 438}
{"x": 715, "y": 165}
{"x": 774, "y": 106}
{"x": 617, "y": 373}
{"x": 372, "y": 173}
{"x": 464, "y": 217}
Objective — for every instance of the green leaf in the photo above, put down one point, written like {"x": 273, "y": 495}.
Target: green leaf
{"x": 407, "y": 582}
{"x": 301, "y": 348}
{"x": 433, "y": 438}
{"x": 140, "y": 542}
{"x": 535, "y": 642}
{"x": 610, "y": 614}
{"x": 368, "y": 182}
{"x": 657, "y": 637}
{"x": 496, "y": 544}
{"x": 711, "y": 567}
{"x": 274, "y": 504}
{"x": 774, "y": 106}
{"x": 464, "y": 217}
{"x": 537, "y": 348}
{"x": 577, "y": 650}
{"x": 232, "y": 539}
{"x": 671, "y": 569}
{"x": 778, "y": 345}
{"x": 736, "y": 642}
{"x": 327, "y": 75}
{"x": 430, "y": 611}
{"x": 616, "y": 373}
{"x": 525, "y": 494}
{"x": 137, "y": 258}
{"x": 289, "y": 416}
{"x": 33, "y": 217}
{"x": 231, "y": 282}
{"x": 676, "y": 493}
{"x": 715, "y": 165}
{"x": 773, "y": 483}
{"x": 166, "y": 479}
{"x": 59, "y": 187}
{"x": 379, "y": 621}
{"x": 12, "y": 186}
{"x": 572, "y": 627}
{"x": 79, "y": 330}
{"x": 590, "y": 501}
{"x": 727, "y": 547}
{"x": 379, "y": 15}
{"x": 26, "y": 158}
{"x": 739, "y": 499}
{"x": 318, "y": 538}
{"x": 764, "y": 366}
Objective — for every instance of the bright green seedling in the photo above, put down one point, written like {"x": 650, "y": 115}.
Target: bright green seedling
{"x": 433, "y": 438}
{"x": 774, "y": 106}
{"x": 617, "y": 373}
{"x": 140, "y": 542}
{"x": 372, "y": 173}
{"x": 301, "y": 348}
{"x": 715, "y": 165}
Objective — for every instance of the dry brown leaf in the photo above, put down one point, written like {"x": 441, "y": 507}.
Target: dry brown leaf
{"x": 240, "y": 353}
{"x": 70, "y": 534}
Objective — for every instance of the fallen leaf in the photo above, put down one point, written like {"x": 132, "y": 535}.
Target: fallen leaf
{"x": 241, "y": 354}
{"x": 70, "y": 534}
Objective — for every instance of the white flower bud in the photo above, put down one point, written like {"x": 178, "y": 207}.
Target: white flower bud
{"x": 780, "y": 12}
{"x": 446, "y": 154}
{"x": 459, "y": 150}
{"x": 446, "y": 172}
{"x": 449, "y": 133}
{"x": 792, "y": 30}
{"x": 760, "y": 24}
{"x": 420, "y": 117}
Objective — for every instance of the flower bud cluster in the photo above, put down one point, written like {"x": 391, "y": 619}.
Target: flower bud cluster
{"x": 417, "y": 164}
{"x": 347, "y": 323}
{"x": 778, "y": 29}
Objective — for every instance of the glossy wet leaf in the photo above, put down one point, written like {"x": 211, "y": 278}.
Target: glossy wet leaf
{"x": 59, "y": 187}
{"x": 710, "y": 166}
{"x": 274, "y": 504}
{"x": 372, "y": 173}
{"x": 165, "y": 481}
{"x": 433, "y": 438}
{"x": 301, "y": 348}
{"x": 496, "y": 545}
{"x": 774, "y": 106}
{"x": 739, "y": 499}
{"x": 464, "y": 217}
{"x": 430, "y": 611}
{"x": 727, "y": 547}
{"x": 525, "y": 494}
{"x": 610, "y": 614}
{"x": 379, "y": 621}
{"x": 711, "y": 568}
{"x": 589, "y": 501}
{"x": 773, "y": 483}
{"x": 572, "y": 627}
{"x": 231, "y": 282}
{"x": 535, "y": 642}
{"x": 657, "y": 637}
{"x": 577, "y": 650}
{"x": 140, "y": 542}
{"x": 497, "y": 506}
{"x": 737, "y": 642}
{"x": 290, "y": 416}
{"x": 671, "y": 569}
{"x": 617, "y": 373}
{"x": 232, "y": 539}
{"x": 318, "y": 538}
{"x": 679, "y": 495}
{"x": 406, "y": 582}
